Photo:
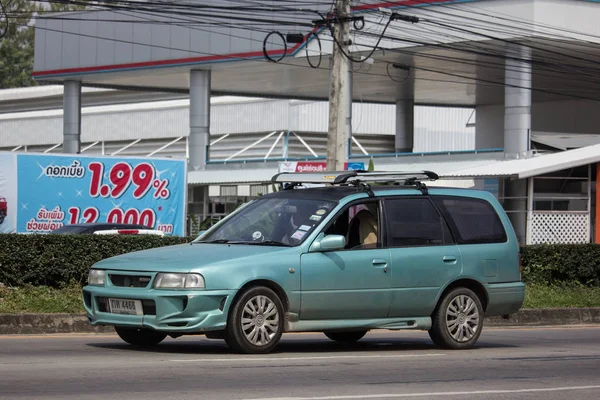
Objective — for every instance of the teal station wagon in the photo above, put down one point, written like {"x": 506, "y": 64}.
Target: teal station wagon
{"x": 344, "y": 258}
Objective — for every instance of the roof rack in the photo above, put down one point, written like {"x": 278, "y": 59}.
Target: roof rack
{"x": 356, "y": 178}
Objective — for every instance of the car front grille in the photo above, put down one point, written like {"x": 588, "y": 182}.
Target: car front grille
{"x": 137, "y": 281}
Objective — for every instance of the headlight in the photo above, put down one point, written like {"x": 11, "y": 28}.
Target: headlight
{"x": 96, "y": 277}
{"x": 179, "y": 281}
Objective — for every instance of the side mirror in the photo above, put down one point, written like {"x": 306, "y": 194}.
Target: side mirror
{"x": 329, "y": 243}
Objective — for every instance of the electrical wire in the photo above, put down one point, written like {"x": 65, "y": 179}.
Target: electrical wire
{"x": 266, "y": 53}
{"x": 489, "y": 52}
{"x": 320, "y": 52}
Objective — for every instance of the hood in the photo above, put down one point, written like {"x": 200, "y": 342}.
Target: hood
{"x": 184, "y": 258}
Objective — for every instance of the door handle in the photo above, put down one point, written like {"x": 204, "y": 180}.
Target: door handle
{"x": 449, "y": 259}
{"x": 380, "y": 263}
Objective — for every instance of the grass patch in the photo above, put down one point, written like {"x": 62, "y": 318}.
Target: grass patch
{"x": 541, "y": 296}
{"x": 42, "y": 299}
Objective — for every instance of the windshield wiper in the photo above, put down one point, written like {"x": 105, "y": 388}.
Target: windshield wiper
{"x": 212, "y": 241}
{"x": 269, "y": 243}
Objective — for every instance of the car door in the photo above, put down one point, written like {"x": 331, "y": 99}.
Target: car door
{"x": 348, "y": 283}
{"x": 423, "y": 255}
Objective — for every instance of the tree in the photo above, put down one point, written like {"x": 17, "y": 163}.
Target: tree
{"x": 16, "y": 46}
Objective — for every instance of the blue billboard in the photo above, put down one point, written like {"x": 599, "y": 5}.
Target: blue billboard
{"x": 51, "y": 191}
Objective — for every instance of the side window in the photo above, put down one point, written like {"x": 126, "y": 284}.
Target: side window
{"x": 473, "y": 221}
{"x": 415, "y": 222}
{"x": 360, "y": 225}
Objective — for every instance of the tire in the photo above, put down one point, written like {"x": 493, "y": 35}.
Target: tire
{"x": 255, "y": 321}
{"x": 140, "y": 337}
{"x": 346, "y": 337}
{"x": 457, "y": 321}
{"x": 2, "y": 216}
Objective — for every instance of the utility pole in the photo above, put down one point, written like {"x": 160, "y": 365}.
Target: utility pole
{"x": 337, "y": 140}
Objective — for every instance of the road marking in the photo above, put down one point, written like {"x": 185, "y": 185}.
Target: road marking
{"x": 307, "y": 358}
{"x": 435, "y": 394}
{"x": 60, "y": 336}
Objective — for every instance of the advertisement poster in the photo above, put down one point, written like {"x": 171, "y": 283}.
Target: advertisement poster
{"x": 46, "y": 192}
{"x": 315, "y": 166}
{"x": 8, "y": 193}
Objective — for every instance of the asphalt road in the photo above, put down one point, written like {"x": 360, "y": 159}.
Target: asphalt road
{"x": 507, "y": 364}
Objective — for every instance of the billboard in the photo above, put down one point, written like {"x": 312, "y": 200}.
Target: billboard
{"x": 45, "y": 192}
{"x": 315, "y": 166}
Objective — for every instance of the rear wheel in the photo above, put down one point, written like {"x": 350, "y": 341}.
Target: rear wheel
{"x": 255, "y": 322}
{"x": 140, "y": 337}
{"x": 458, "y": 320}
{"x": 2, "y": 216}
{"x": 347, "y": 337}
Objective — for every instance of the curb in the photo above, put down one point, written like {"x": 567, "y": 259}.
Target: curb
{"x": 14, "y": 324}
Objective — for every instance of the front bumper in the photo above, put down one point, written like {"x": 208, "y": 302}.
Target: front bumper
{"x": 178, "y": 311}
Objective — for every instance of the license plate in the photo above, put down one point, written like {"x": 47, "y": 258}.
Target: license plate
{"x": 124, "y": 306}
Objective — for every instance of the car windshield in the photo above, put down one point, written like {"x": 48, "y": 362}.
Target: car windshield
{"x": 271, "y": 221}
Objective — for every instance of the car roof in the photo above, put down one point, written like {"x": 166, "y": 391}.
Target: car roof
{"x": 327, "y": 193}
{"x": 337, "y": 193}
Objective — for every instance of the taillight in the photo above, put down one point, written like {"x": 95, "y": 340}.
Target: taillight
{"x": 128, "y": 231}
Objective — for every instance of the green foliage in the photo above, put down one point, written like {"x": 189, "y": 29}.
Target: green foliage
{"x": 54, "y": 260}
{"x": 371, "y": 166}
{"x": 16, "y": 47}
{"x": 562, "y": 264}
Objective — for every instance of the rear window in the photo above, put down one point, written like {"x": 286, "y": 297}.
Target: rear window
{"x": 473, "y": 221}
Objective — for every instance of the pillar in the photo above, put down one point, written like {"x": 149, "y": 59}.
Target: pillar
{"x": 405, "y": 110}
{"x": 517, "y": 102}
{"x": 404, "y": 125}
{"x": 199, "y": 118}
{"x": 72, "y": 117}
{"x": 517, "y": 128}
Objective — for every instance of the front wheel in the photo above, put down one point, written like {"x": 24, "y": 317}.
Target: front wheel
{"x": 140, "y": 337}
{"x": 458, "y": 320}
{"x": 346, "y": 337}
{"x": 255, "y": 322}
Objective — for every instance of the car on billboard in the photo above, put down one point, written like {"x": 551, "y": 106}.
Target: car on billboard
{"x": 106, "y": 229}
{"x": 3, "y": 209}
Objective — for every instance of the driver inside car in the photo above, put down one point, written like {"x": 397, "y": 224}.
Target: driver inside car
{"x": 363, "y": 230}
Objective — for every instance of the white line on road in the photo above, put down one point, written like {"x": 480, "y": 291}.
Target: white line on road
{"x": 306, "y": 358}
{"x": 434, "y": 394}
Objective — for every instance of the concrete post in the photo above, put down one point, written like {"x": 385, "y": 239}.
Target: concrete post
{"x": 349, "y": 93}
{"x": 517, "y": 128}
{"x": 337, "y": 150}
{"x": 199, "y": 119}
{"x": 72, "y": 117}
